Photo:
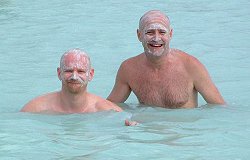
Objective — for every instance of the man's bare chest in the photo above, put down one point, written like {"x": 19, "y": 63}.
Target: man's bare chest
{"x": 164, "y": 89}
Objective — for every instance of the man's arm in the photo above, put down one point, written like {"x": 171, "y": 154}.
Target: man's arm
{"x": 204, "y": 84}
{"x": 121, "y": 89}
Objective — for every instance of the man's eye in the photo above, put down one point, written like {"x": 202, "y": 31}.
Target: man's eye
{"x": 82, "y": 71}
{"x": 149, "y": 32}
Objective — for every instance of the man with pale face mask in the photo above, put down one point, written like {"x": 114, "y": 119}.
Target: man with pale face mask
{"x": 74, "y": 72}
{"x": 163, "y": 76}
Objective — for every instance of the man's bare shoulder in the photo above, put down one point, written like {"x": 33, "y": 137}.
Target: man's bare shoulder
{"x": 192, "y": 65}
{"x": 181, "y": 54}
{"x": 132, "y": 61}
{"x": 128, "y": 67}
{"x": 188, "y": 59}
{"x": 40, "y": 103}
{"x": 103, "y": 104}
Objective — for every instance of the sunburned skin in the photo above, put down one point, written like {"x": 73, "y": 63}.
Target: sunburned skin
{"x": 74, "y": 72}
{"x": 77, "y": 64}
{"x": 156, "y": 26}
{"x": 153, "y": 17}
{"x": 154, "y": 37}
{"x": 155, "y": 33}
{"x": 76, "y": 77}
{"x": 161, "y": 76}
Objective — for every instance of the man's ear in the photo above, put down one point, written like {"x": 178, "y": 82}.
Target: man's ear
{"x": 91, "y": 74}
{"x": 138, "y": 34}
{"x": 59, "y": 73}
{"x": 171, "y": 33}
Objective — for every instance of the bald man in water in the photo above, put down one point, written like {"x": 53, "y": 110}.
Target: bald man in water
{"x": 74, "y": 72}
{"x": 163, "y": 76}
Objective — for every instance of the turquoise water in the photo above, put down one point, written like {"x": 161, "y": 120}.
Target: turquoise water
{"x": 34, "y": 34}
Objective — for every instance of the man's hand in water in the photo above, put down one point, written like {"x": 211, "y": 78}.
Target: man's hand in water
{"x": 130, "y": 123}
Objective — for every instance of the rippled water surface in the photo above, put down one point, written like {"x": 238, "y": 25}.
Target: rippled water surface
{"x": 34, "y": 34}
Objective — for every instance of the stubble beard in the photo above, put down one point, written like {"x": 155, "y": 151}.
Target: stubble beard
{"x": 75, "y": 88}
{"x": 157, "y": 53}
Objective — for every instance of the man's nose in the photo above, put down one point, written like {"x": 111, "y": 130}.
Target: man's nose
{"x": 75, "y": 75}
{"x": 156, "y": 36}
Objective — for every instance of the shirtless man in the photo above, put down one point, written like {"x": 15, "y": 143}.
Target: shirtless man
{"x": 162, "y": 76}
{"x": 75, "y": 72}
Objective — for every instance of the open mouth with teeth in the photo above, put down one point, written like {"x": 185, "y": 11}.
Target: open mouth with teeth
{"x": 156, "y": 45}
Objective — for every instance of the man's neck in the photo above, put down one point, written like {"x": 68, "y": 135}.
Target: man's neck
{"x": 74, "y": 102}
{"x": 157, "y": 62}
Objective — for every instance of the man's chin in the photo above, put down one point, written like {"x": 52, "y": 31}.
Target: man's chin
{"x": 76, "y": 88}
{"x": 155, "y": 54}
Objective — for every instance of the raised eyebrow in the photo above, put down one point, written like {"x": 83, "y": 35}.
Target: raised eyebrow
{"x": 163, "y": 29}
{"x": 152, "y": 29}
{"x": 67, "y": 69}
{"x": 149, "y": 30}
{"x": 83, "y": 69}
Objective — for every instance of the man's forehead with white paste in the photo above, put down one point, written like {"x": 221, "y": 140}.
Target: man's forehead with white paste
{"x": 75, "y": 59}
{"x": 155, "y": 17}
